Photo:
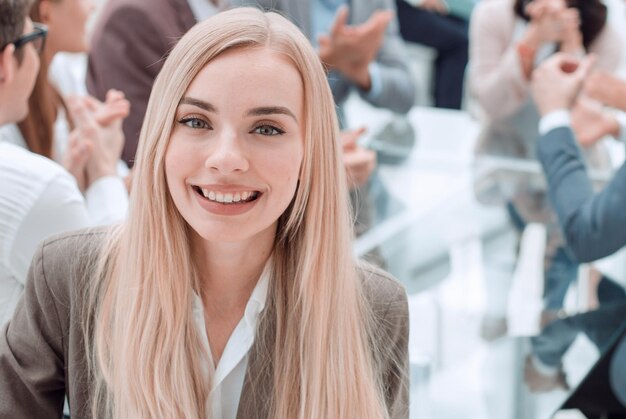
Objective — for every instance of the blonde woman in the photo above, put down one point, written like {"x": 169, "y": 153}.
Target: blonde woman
{"x": 231, "y": 291}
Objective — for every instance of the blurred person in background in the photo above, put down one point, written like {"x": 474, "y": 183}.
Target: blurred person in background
{"x": 435, "y": 24}
{"x": 594, "y": 224}
{"x": 38, "y": 197}
{"x": 508, "y": 39}
{"x": 52, "y": 130}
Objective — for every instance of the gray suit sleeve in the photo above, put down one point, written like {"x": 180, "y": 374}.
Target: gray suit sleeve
{"x": 32, "y": 383}
{"x": 594, "y": 225}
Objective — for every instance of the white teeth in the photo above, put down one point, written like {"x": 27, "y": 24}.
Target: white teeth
{"x": 228, "y": 197}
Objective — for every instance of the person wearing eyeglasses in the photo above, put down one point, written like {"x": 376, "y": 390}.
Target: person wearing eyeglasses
{"x": 87, "y": 142}
{"x": 38, "y": 197}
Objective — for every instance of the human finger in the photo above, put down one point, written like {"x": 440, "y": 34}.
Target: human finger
{"x": 341, "y": 19}
{"x": 113, "y": 95}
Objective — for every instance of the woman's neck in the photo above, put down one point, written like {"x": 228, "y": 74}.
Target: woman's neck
{"x": 230, "y": 271}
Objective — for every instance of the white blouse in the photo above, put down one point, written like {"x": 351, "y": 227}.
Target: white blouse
{"x": 39, "y": 198}
{"x": 229, "y": 374}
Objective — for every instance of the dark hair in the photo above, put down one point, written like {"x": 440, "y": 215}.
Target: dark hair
{"x": 593, "y": 16}
{"x": 13, "y": 15}
{"x": 38, "y": 126}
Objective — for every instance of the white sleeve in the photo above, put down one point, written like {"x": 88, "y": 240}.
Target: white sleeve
{"x": 107, "y": 200}
{"x": 555, "y": 119}
{"x": 621, "y": 120}
{"x": 60, "y": 208}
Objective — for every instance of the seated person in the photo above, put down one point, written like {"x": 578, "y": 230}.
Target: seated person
{"x": 37, "y": 196}
{"x": 594, "y": 224}
{"x": 233, "y": 280}
{"x": 507, "y": 40}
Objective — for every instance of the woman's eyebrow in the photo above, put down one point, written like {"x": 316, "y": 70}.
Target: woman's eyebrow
{"x": 198, "y": 103}
{"x": 271, "y": 110}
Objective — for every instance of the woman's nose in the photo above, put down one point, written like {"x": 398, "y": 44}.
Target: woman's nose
{"x": 228, "y": 155}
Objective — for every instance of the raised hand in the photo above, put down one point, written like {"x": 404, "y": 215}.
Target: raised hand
{"x": 350, "y": 49}
{"x": 546, "y": 21}
{"x": 571, "y": 37}
{"x": 358, "y": 161}
{"x": 557, "y": 82}
{"x": 607, "y": 89}
{"x": 76, "y": 157}
{"x": 100, "y": 123}
{"x": 591, "y": 122}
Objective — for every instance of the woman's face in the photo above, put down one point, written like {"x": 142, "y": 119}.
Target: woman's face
{"x": 235, "y": 152}
{"x": 67, "y": 21}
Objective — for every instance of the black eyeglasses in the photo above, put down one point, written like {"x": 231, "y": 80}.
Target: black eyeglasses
{"x": 37, "y": 37}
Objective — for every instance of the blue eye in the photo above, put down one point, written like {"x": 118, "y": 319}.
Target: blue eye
{"x": 194, "y": 123}
{"x": 268, "y": 130}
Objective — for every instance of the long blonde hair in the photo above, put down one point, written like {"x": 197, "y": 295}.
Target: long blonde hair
{"x": 145, "y": 353}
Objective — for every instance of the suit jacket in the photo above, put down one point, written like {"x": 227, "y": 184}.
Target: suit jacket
{"x": 398, "y": 91}
{"x": 42, "y": 354}
{"x": 594, "y": 225}
{"x": 129, "y": 44}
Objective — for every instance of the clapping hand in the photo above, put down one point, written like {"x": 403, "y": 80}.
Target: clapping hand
{"x": 607, "y": 89}
{"x": 358, "y": 161}
{"x": 99, "y": 129}
{"x": 591, "y": 122}
{"x": 557, "y": 82}
{"x": 350, "y": 49}
{"x": 553, "y": 21}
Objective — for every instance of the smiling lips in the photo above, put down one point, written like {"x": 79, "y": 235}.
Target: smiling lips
{"x": 227, "y": 198}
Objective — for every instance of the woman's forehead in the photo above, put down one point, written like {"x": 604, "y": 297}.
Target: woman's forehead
{"x": 249, "y": 74}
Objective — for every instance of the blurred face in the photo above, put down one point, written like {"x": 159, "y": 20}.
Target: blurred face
{"x": 22, "y": 84}
{"x": 234, "y": 157}
{"x": 67, "y": 21}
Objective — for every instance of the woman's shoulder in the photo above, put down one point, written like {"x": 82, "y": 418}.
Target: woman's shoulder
{"x": 83, "y": 241}
{"x": 384, "y": 293}
{"x": 66, "y": 260}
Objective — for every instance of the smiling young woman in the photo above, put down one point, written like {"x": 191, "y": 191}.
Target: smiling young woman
{"x": 231, "y": 291}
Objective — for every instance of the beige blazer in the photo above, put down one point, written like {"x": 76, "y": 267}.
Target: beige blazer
{"x": 42, "y": 357}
